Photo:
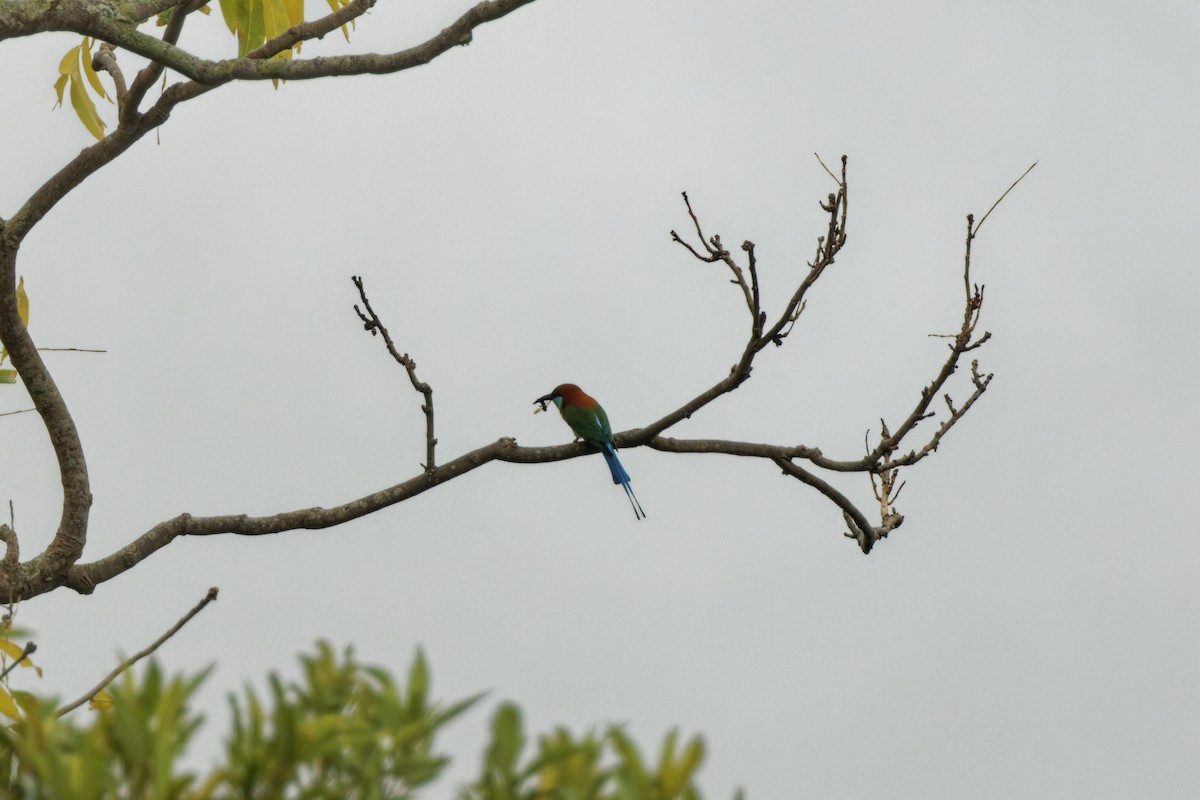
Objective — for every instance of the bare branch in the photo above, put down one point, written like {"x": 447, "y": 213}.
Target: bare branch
{"x": 67, "y": 545}
{"x": 828, "y": 248}
{"x": 145, "y": 9}
{"x": 962, "y": 343}
{"x": 828, "y": 171}
{"x": 372, "y": 323}
{"x": 138, "y": 656}
{"x": 149, "y": 74}
{"x": 84, "y": 578}
{"x": 12, "y": 551}
{"x": 106, "y": 60}
{"x": 860, "y": 530}
{"x": 1006, "y": 191}
{"x": 717, "y": 252}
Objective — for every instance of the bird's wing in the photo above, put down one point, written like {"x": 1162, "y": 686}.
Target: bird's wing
{"x": 589, "y": 424}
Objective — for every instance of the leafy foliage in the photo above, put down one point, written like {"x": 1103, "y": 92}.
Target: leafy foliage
{"x": 74, "y": 68}
{"x": 589, "y": 767}
{"x": 347, "y": 731}
{"x": 251, "y": 21}
{"x": 12, "y": 655}
{"x": 255, "y": 21}
{"x": 343, "y": 730}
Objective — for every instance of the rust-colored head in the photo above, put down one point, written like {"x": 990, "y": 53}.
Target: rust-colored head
{"x": 566, "y": 394}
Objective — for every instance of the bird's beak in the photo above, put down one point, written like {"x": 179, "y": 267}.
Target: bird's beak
{"x": 542, "y": 401}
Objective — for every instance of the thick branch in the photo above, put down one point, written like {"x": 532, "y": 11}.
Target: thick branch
{"x": 84, "y": 578}
{"x": 67, "y": 545}
{"x": 12, "y": 550}
{"x": 151, "y": 72}
{"x": 145, "y": 9}
{"x": 860, "y": 530}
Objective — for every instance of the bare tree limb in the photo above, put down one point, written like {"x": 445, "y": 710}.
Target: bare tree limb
{"x": 12, "y": 551}
{"x": 147, "y": 76}
{"x": 106, "y": 60}
{"x": 372, "y": 323}
{"x": 138, "y": 656}
{"x": 828, "y": 246}
{"x": 878, "y": 463}
{"x": 1001, "y": 198}
{"x": 145, "y": 9}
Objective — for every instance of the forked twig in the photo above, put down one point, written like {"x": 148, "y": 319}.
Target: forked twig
{"x": 372, "y": 323}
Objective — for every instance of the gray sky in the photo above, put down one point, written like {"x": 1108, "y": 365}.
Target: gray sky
{"x": 1031, "y": 630}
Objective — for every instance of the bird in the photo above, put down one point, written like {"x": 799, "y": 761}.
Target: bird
{"x": 589, "y": 422}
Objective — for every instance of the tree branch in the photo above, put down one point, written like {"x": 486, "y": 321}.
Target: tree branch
{"x": 828, "y": 246}
{"x": 84, "y": 578}
{"x": 372, "y": 323}
{"x": 12, "y": 550}
{"x": 138, "y": 656}
{"x": 116, "y": 23}
{"x": 146, "y": 77}
{"x": 67, "y": 545}
{"x": 120, "y": 27}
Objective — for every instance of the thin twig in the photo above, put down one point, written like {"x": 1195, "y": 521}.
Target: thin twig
{"x": 30, "y": 649}
{"x": 70, "y": 350}
{"x": 827, "y": 169}
{"x": 1006, "y": 191}
{"x": 18, "y": 411}
{"x": 129, "y": 662}
{"x": 372, "y": 323}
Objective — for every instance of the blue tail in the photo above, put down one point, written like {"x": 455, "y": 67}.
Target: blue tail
{"x": 619, "y": 475}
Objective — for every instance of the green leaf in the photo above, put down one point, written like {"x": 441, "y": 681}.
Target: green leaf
{"x": 100, "y": 700}
{"x": 418, "y": 682}
{"x": 23, "y": 313}
{"x": 90, "y": 73}
{"x": 8, "y": 376}
{"x": 631, "y": 760}
{"x": 11, "y": 649}
{"x": 508, "y": 739}
{"x": 71, "y": 77}
{"x": 676, "y": 774}
{"x": 7, "y": 707}
{"x": 22, "y": 302}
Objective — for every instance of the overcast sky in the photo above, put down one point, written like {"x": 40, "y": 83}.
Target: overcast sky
{"x": 1030, "y": 631}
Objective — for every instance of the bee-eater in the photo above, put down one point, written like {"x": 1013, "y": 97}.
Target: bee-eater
{"x": 589, "y": 422}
